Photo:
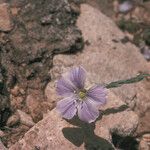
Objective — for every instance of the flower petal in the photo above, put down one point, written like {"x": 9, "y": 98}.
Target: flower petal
{"x": 67, "y": 107}
{"x": 87, "y": 112}
{"x": 64, "y": 87}
{"x": 97, "y": 95}
{"x": 78, "y": 76}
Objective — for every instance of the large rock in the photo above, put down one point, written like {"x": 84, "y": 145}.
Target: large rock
{"x": 5, "y": 18}
{"x": 107, "y": 58}
{"x": 53, "y": 132}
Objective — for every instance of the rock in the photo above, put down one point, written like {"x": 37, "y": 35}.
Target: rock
{"x": 16, "y": 102}
{"x": 2, "y": 134}
{"x": 53, "y": 132}
{"x": 75, "y": 8}
{"x": 2, "y": 147}
{"x": 12, "y": 120}
{"x": 25, "y": 118}
{"x": 15, "y": 134}
{"x": 46, "y": 20}
{"x": 142, "y": 13}
{"x": 106, "y": 60}
{"x": 144, "y": 145}
{"x": 5, "y": 18}
{"x": 33, "y": 103}
{"x": 146, "y": 138}
{"x": 50, "y": 93}
{"x": 15, "y": 91}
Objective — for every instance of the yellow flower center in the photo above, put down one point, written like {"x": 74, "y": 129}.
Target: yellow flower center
{"x": 82, "y": 94}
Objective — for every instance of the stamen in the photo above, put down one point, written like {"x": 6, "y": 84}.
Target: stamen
{"x": 82, "y": 94}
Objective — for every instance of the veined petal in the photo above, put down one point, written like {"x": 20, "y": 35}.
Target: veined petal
{"x": 97, "y": 95}
{"x": 64, "y": 87}
{"x": 67, "y": 107}
{"x": 87, "y": 112}
{"x": 78, "y": 76}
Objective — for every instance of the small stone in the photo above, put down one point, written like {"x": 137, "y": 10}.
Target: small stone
{"x": 46, "y": 20}
{"x": 143, "y": 145}
{"x": 14, "y": 11}
{"x": 75, "y": 8}
{"x": 146, "y": 138}
{"x": 12, "y": 120}
{"x": 22, "y": 91}
{"x": 16, "y": 102}
{"x": 2, "y": 147}
{"x": 2, "y": 134}
{"x": 15, "y": 91}
{"x": 33, "y": 103}
{"x": 50, "y": 93}
{"x": 58, "y": 21}
{"x": 5, "y": 18}
{"x": 25, "y": 118}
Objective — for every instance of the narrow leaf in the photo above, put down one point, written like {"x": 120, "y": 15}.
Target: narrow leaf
{"x": 119, "y": 83}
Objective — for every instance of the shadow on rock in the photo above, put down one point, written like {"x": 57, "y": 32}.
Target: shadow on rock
{"x": 84, "y": 133}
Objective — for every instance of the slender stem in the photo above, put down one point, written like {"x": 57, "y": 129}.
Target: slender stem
{"x": 119, "y": 83}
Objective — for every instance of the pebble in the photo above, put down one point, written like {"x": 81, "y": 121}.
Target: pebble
{"x": 2, "y": 147}
{"x": 6, "y": 23}
{"x": 12, "y": 120}
{"x": 25, "y": 118}
{"x": 146, "y": 138}
{"x": 46, "y": 20}
{"x": 146, "y": 52}
{"x": 2, "y": 134}
{"x": 15, "y": 91}
{"x": 75, "y": 8}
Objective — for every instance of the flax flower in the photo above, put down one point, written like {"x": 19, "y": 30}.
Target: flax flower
{"x": 76, "y": 99}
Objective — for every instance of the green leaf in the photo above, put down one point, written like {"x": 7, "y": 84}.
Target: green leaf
{"x": 119, "y": 83}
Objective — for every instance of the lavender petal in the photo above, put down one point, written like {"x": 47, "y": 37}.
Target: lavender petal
{"x": 64, "y": 87}
{"x": 78, "y": 76}
{"x": 125, "y": 6}
{"x": 97, "y": 95}
{"x": 67, "y": 107}
{"x": 87, "y": 112}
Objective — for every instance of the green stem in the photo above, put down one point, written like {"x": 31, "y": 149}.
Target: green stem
{"x": 119, "y": 83}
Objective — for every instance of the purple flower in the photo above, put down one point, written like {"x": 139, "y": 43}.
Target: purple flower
{"x": 78, "y": 100}
{"x": 126, "y": 6}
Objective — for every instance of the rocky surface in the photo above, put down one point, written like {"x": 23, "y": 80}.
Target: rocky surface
{"x": 53, "y": 132}
{"x": 31, "y": 32}
{"x": 6, "y": 23}
{"x": 106, "y": 59}
{"x": 27, "y": 51}
{"x": 132, "y": 16}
